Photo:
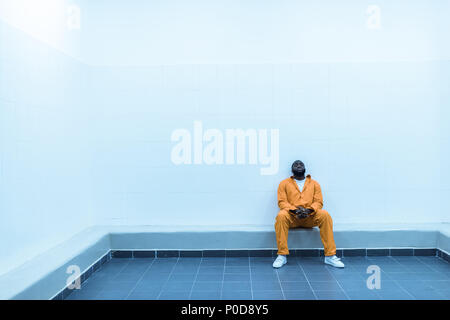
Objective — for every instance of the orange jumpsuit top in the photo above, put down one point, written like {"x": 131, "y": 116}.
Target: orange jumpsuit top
{"x": 290, "y": 197}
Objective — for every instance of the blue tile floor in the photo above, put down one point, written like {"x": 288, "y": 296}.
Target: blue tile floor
{"x": 401, "y": 278}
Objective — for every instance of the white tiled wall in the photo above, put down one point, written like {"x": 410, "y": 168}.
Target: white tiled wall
{"x": 370, "y": 133}
{"x": 45, "y": 194}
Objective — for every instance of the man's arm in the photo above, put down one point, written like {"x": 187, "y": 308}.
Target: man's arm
{"x": 283, "y": 203}
{"x": 317, "y": 198}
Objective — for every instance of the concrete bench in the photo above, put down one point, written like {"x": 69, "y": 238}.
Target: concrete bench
{"x": 263, "y": 237}
{"x": 44, "y": 277}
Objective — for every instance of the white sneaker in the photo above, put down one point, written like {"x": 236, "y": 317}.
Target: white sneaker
{"x": 280, "y": 261}
{"x": 334, "y": 261}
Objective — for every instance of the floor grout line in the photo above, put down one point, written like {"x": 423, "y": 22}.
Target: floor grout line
{"x": 340, "y": 286}
{"x": 123, "y": 267}
{"x": 407, "y": 292}
{"x": 279, "y": 282}
{"x": 132, "y": 289}
{"x": 170, "y": 274}
{"x": 195, "y": 279}
{"x": 223, "y": 276}
{"x": 251, "y": 281}
{"x": 309, "y": 284}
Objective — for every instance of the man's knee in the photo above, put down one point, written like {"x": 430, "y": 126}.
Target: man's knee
{"x": 282, "y": 216}
{"x": 323, "y": 215}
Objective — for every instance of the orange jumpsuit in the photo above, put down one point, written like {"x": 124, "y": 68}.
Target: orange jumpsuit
{"x": 289, "y": 197}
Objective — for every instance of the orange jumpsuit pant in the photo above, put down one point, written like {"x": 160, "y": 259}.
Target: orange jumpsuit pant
{"x": 322, "y": 219}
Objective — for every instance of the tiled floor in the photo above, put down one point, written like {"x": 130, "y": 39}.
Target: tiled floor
{"x": 254, "y": 278}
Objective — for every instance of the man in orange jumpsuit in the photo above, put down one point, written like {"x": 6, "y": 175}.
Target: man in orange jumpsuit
{"x": 300, "y": 201}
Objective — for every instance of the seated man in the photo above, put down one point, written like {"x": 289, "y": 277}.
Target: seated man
{"x": 300, "y": 201}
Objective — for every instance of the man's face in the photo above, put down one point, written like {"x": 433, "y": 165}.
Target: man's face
{"x": 298, "y": 169}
